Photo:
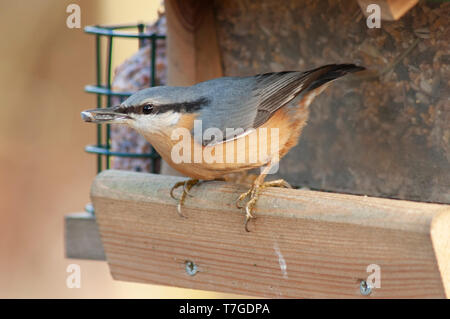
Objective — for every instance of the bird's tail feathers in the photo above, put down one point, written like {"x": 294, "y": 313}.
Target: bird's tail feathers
{"x": 328, "y": 73}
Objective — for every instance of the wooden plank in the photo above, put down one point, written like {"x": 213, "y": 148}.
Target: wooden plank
{"x": 302, "y": 244}
{"x": 440, "y": 235}
{"x": 390, "y": 9}
{"x": 180, "y": 49}
{"x": 208, "y": 62}
{"x": 192, "y": 45}
{"x": 82, "y": 238}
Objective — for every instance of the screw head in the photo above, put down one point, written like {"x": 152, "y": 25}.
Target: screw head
{"x": 364, "y": 288}
{"x": 191, "y": 268}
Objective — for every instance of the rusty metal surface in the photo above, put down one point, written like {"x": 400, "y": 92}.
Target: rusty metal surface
{"x": 387, "y": 134}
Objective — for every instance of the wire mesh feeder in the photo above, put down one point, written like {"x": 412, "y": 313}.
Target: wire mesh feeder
{"x": 107, "y": 96}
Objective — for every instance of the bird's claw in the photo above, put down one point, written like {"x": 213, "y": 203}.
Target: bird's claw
{"x": 187, "y": 185}
{"x": 242, "y": 197}
{"x": 253, "y": 193}
{"x": 187, "y": 188}
{"x": 178, "y": 184}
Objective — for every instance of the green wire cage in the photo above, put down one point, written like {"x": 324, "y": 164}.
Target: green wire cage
{"x": 104, "y": 93}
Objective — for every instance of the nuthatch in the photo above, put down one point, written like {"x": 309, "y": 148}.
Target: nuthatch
{"x": 241, "y": 109}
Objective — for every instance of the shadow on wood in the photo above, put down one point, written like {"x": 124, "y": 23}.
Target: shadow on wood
{"x": 302, "y": 244}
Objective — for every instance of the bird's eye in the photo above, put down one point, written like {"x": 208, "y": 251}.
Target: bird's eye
{"x": 147, "y": 109}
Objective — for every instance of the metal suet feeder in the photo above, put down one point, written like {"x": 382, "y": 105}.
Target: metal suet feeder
{"x": 103, "y": 88}
{"x": 103, "y": 146}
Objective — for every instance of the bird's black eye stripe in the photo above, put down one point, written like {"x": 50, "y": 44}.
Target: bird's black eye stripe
{"x": 149, "y": 108}
{"x": 139, "y": 109}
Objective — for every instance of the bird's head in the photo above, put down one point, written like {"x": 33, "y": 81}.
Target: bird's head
{"x": 151, "y": 110}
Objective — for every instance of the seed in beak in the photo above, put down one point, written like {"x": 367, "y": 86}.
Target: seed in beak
{"x": 86, "y": 116}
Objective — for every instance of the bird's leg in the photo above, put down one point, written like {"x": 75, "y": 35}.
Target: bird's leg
{"x": 187, "y": 185}
{"x": 253, "y": 194}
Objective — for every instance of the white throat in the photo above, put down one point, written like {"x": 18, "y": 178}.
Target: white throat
{"x": 156, "y": 123}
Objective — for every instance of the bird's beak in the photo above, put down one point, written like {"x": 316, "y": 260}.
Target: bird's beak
{"x": 104, "y": 115}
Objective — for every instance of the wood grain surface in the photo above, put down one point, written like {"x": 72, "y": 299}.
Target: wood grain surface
{"x": 303, "y": 244}
{"x": 192, "y": 45}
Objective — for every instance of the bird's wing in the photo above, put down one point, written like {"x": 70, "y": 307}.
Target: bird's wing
{"x": 276, "y": 90}
{"x": 248, "y": 102}
{"x": 242, "y": 104}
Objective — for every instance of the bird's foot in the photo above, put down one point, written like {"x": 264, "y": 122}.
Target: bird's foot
{"x": 253, "y": 194}
{"x": 187, "y": 185}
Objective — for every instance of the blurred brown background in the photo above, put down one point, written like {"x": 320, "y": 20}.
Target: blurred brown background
{"x": 44, "y": 171}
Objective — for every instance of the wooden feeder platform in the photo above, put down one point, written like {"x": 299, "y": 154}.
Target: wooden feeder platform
{"x": 303, "y": 244}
